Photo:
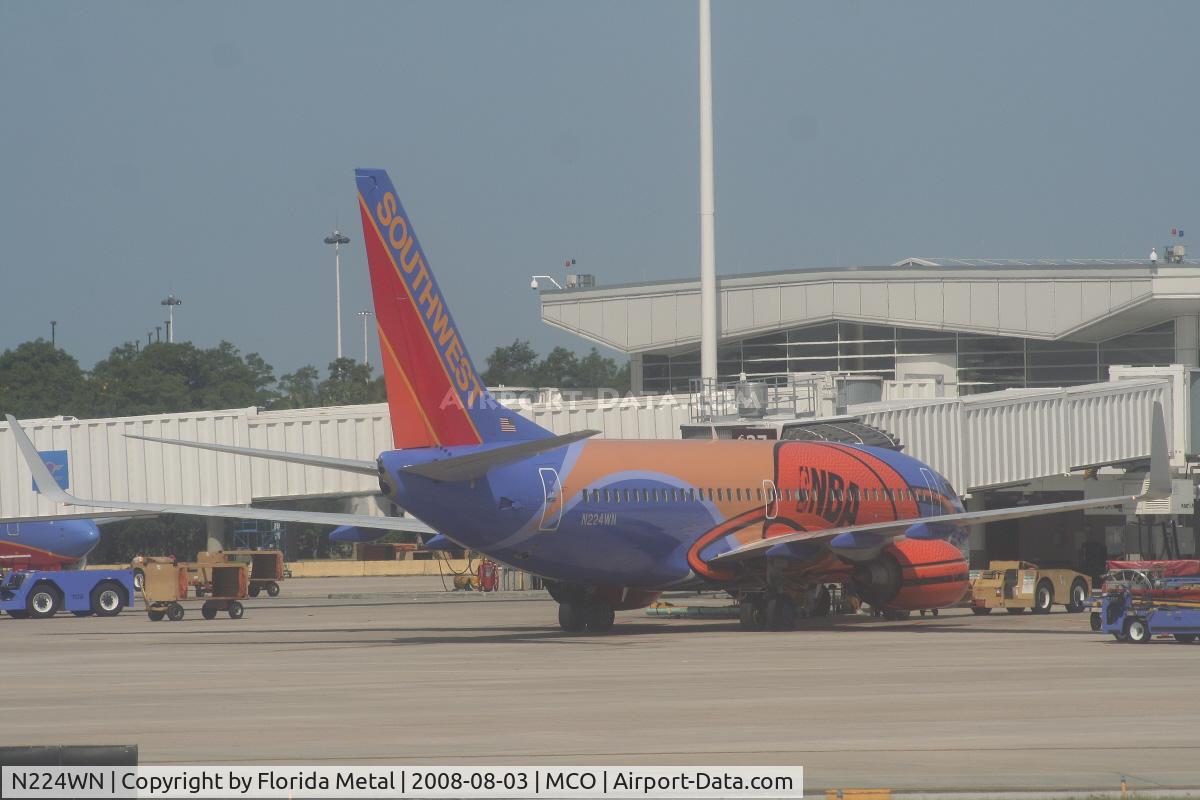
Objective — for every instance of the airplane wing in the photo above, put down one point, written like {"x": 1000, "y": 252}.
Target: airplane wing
{"x": 52, "y": 491}
{"x": 1158, "y": 487}
{"x": 344, "y": 464}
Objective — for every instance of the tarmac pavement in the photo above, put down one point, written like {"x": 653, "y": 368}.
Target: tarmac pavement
{"x": 395, "y": 670}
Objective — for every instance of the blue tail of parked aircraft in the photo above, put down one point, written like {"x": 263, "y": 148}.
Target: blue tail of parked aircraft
{"x": 435, "y": 394}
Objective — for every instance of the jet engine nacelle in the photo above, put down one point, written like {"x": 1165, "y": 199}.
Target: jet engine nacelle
{"x": 913, "y": 574}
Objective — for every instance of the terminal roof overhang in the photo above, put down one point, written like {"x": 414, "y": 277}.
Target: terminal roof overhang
{"x": 1084, "y": 303}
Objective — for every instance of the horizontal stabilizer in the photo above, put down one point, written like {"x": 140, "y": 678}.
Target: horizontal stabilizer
{"x": 476, "y": 465}
{"x": 343, "y": 464}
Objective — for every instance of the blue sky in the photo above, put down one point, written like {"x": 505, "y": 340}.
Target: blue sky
{"x": 207, "y": 148}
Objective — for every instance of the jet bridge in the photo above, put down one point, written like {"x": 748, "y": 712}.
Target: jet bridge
{"x": 978, "y": 442}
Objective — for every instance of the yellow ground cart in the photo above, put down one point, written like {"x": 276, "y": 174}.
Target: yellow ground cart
{"x": 264, "y": 569}
{"x": 1018, "y": 585}
{"x": 165, "y": 587}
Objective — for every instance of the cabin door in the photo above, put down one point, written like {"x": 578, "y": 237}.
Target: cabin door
{"x": 771, "y": 497}
{"x": 552, "y": 497}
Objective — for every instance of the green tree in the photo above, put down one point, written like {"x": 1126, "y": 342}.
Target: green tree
{"x": 40, "y": 380}
{"x": 513, "y": 365}
{"x": 299, "y": 389}
{"x": 166, "y": 378}
{"x": 595, "y": 371}
{"x": 350, "y": 383}
{"x": 560, "y": 369}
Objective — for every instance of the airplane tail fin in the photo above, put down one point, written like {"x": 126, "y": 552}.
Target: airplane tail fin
{"x": 435, "y": 394}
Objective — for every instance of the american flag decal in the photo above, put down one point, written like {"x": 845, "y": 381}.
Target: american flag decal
{"x": 506, "y": 425}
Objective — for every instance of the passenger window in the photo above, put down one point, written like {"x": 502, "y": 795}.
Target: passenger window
{"x": 760, "y": 494}
{"x": 739, "y": 494}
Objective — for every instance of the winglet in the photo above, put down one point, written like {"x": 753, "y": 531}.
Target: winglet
{"x": 41, "y": 476}
{"x": 1159, "y": 485}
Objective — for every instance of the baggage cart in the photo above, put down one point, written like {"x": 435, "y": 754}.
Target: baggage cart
{"x": 166, "y": 586}
{"x": 266, "y": 569}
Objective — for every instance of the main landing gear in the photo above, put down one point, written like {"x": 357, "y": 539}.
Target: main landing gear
{"x": 578, "y": 610}
{"x": 779, "y": 611}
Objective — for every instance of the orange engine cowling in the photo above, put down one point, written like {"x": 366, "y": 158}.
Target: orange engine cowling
{"x": 914, "y": 574}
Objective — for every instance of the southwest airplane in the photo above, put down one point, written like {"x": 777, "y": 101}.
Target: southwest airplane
{"x": 611, "y": 523}
{"x": 49, "y": 545}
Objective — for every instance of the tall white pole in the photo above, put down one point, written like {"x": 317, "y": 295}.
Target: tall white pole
{"x": 366, "y": 315}
{"x": 170, "y": 324}
{"x": 708, "y": 241}
{"x": 337, "y": 276}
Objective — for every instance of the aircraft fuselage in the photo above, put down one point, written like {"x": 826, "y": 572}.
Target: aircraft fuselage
{"x": 52, "y": 545}
{"x": 649, "y": 514}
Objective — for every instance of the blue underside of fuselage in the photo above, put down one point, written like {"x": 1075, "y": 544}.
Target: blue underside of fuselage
{"x": 505, "y": 516}
{"x": 65, "y": 540}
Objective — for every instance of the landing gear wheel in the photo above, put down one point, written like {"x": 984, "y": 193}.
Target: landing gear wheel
{"x": 1015, "y": 610}
{"x": 155, "y": 616}
{"x": 1043, "y": 598}
{"x": 174, "y": 612}
{"x": 1094, "y": 621}
{"x": 980, "y": 611}
{"x": 599, "y": 617}
{"x": 781, "y": 613}
{"x": 235, "y": 610}
{"x": 107, "y": 600}
{"x": 1137, "y": 631}
{"x": 752, "y": 614}
{"x": 273, "y": 589}
{"x": 571, "y": 617}
{"x": 254, "y": 590}
{"x": 1078, "y": 597}
{"x": 208, "y": 611}
{"x": 1185, "y": 638}
{"x": 42, "y": 602}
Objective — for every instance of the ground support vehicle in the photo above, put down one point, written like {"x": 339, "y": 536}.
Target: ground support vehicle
{"x": 1134, "y": 620}
{"x": 166, "y": 587}
{"x": 38, "y": 594}
{"x": 1018, "y": 585}
{"x": 138, "y": 565}
{"x": 266, "y": 568}
{"x": 1168, "y": 583}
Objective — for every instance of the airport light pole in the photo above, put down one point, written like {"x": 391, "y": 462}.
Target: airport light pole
{"x": 170, "y": 302}
{"x": 365, "y": 315}
{"x": 337, "y": 239}
{"x": 53, "y": 340}
{"x": 708, "y": 246}
{"x": 158, "y": 333}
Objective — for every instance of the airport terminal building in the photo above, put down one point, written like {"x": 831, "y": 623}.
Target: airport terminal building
{"x": 1032, "y": 374}
{"x": 977, "y": 326}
